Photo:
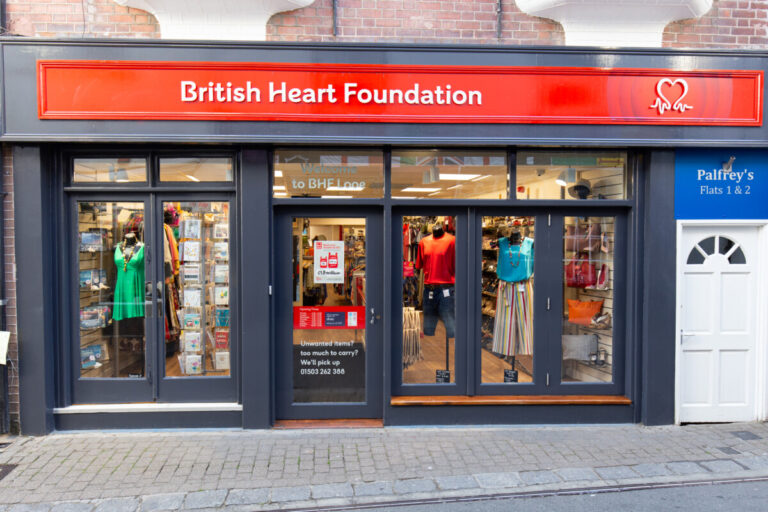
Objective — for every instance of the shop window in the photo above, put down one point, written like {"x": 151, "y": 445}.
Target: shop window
{"x": 725, "y": 247}
{"x": 438, "y": 174}
{"x": 572, "y": 175}
{"x": 109, "y": 170}
{"x": 506, "y": 337}
{"x": 196, "y": 169}
{"x": 429, "y": 299}
{"x": 328, "y": 174}
{"x": 588, "y": 315}
{"x": 111, "y": 265}
{"x": 196, "y": 288}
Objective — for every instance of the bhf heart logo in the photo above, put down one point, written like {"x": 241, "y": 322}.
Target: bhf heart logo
{"x": 663, "y": 103}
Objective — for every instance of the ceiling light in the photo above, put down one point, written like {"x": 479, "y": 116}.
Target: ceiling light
{"x": 482, "y": 177}
{"x": 347, "y": 189}
{"x": 193, "y": 178}
{"x": 281, "y": 194}
{"x": 278, "y": 187}
{"x": 458, "y": 177}
{"x": 335, "y": 197}
{"x": 278, "y": 174}
{"x": 453, "y": 187}
{"x": 434, "y": 193}
{"x": 419, "y": 189}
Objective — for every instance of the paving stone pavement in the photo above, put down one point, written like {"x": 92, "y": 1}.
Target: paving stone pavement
{"x": 281, "y": 469}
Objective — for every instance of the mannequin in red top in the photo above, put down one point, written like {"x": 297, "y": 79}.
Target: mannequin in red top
{"x": 436, "y": 256}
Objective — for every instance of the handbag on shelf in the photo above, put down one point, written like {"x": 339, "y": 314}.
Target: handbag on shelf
{"x": 580, "y": 273}
{"x": 582, "y": 312}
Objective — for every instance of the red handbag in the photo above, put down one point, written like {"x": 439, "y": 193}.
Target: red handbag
{"x": 572, "y": 274}
{"x": 587, "y": 273}
{"x": 580, "y": 273}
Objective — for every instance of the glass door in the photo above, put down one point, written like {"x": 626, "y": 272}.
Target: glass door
{"x": 328, "y": 299}
{"x": 112, "y": 295}
{"x": 196, "y": 303}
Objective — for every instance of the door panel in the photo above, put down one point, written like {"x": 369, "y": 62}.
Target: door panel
{"x": 111, "y": 278}
{"x": 718, "y": 326}
{"x": 328, "y": 297}
{"x": 196, "y": 306}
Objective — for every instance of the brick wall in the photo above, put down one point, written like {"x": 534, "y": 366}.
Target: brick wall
{"x": 10, "y": 288}
{"x": 729, "y": 24}
{"x": 78, "y": 18}
{"x": 424, "y": 21}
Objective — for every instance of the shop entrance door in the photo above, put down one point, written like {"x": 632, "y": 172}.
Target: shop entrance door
{"x": 717, "y": 320}
{"x": 328, "y": 297}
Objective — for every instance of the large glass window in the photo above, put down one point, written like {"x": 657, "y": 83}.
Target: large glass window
{"x": 506, "y": 336}
{"x": 572, "y": 175}
{"x": 328, "y": 174}
{"x": 449, "y": 174}
{"x": 429, "y": 299}
{"x": 196, "y": 288}
{"x": 111, "y": 264}
{"x": 587, "y": 334}
{"x": 109, "y": 170}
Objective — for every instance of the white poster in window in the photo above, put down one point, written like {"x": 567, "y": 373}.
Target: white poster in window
{"x": 329, "y": 262}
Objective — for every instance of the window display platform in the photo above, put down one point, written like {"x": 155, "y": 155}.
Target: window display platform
{"x": 511, "y": 400}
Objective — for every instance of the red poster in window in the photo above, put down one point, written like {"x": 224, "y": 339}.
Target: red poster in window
{"x": 396, "y": 94}
{"x": 328, "y": 317}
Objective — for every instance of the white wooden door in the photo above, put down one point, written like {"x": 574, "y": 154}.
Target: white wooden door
{"x": 718, "y": 327}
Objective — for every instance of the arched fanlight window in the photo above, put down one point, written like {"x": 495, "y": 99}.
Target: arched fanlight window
{"x": 717, "y": 244}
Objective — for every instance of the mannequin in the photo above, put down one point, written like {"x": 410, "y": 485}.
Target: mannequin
{"x": 129, "y": 290}
{"x": 436, "y": 256}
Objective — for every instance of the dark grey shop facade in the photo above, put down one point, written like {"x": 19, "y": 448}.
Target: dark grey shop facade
{"x": 181, "y": 272}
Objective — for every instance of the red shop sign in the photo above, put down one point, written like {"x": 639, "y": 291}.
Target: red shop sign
{"x": 389, "y": 93}
{"x": 329, "y": 317}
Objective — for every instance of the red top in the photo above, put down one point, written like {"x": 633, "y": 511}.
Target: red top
{"x": 437, "y": 256}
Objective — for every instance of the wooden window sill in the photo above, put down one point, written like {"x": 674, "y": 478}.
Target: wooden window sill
{"x": 511, "y": 400}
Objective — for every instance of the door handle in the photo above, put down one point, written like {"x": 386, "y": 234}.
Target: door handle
{"x": 683, "y": 335}
{"x": 374, "y": 316}
{"x": 159, "y": 299}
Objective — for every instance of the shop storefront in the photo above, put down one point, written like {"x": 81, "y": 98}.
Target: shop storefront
{"x": 235, "y": 236}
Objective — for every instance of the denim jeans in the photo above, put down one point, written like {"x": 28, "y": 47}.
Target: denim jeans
{"x": 437, "y": 304}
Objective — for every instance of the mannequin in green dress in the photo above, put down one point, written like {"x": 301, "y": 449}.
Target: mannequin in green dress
{"x": 129, "y": 290}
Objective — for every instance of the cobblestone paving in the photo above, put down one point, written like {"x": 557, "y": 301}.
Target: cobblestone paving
{"x": 247, "y": 470}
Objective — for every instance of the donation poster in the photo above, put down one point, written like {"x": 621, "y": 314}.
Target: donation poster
{"x": 329, "y": 262}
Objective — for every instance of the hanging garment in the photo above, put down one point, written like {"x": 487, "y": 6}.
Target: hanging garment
{"x": 437, "y": 256}
{"x": 129, "y": 289}
{"x": 515, "y": 261}
{"x": 411, "y": 336}
{"x": 513, "y": 329}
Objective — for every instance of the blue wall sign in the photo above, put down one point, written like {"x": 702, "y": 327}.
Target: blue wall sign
{"x": 703, "y": 190}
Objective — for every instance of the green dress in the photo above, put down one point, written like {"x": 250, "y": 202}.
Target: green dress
{"x": 129, "y": 290}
